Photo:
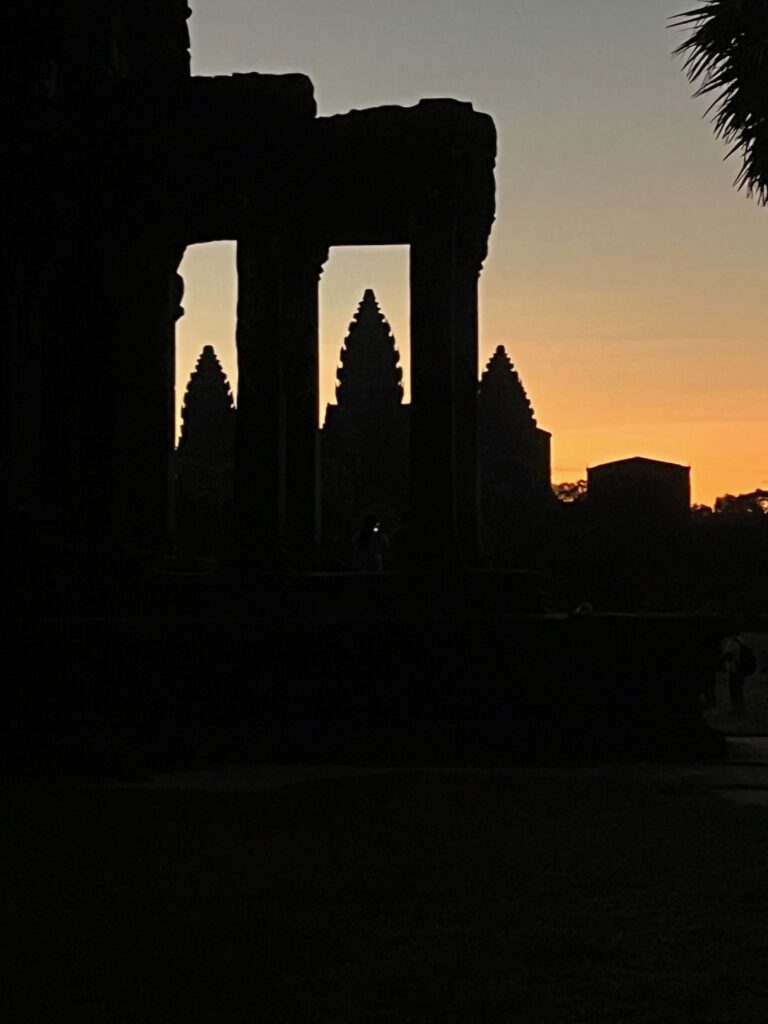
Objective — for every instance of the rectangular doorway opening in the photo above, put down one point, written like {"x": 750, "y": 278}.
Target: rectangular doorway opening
{"x": 206, "y": 385}
{"x": 365, "y": 406}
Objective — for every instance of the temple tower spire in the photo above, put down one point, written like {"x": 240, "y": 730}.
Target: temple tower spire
{"x": 503, "y": 399}
{"x": 365, "y": 442}
{"x": 208, "y": 411}
{"x": 514, "y": 453}
{"x": 369, "y": 388}
{"x": 204, "y": 461}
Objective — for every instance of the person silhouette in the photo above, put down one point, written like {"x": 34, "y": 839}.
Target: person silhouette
{"x": 738, "y": 662}
{"x": 370, "y": 542}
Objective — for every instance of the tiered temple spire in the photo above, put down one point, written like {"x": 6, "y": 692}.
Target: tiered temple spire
{"x": 208, "y": 412}
{"x": 365, "y": 439}
{"x": 514, "y": 453}
{"x": 502, "y": 395}
{"x": 204, "y": 460}
{"x": 369, "y": 378}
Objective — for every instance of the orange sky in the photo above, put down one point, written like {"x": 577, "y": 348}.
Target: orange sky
{"x": 625, "y": 275}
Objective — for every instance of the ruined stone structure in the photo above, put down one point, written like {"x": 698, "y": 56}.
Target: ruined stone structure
{"x": 204, "y": 461}
{"x": 118, "y": 160}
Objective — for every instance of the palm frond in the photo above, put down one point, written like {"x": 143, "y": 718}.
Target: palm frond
{"x": 726, "y": 55}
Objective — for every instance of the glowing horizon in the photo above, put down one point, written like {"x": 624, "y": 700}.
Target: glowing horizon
{"x": 697, "y": 441}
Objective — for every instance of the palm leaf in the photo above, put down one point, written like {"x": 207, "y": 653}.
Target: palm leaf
{"x": 726, "y": 56}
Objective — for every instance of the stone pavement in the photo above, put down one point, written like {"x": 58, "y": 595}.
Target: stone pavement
{"x": 741, "y": 777}
{"x": 539, "y": 893}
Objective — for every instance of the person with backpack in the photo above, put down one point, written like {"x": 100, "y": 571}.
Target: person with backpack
{"x": 738, "y": 662}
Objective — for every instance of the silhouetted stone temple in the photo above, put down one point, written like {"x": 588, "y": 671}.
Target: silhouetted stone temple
{"x": 118, "y": 159}
{"x": 370, "y": 390}
{"x": 365, "y": 441}
{"x": 204, "y": 459}
{"x": 514, "y": 453}
{"x": 365, "y": 437}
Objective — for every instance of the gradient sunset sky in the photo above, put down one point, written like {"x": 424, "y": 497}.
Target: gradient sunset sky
{"x": 626, "y": 277}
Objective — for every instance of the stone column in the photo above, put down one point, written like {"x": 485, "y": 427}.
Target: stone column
{"x": 147, "y": 399}
{"x": 444, "y": 388}
{"x": 276, "y": 462}
{"x": 301, "y": 268}
{"x": 83, "y": 433}
{"x": 259, "y": 471}
{"x": 465, "y": 377}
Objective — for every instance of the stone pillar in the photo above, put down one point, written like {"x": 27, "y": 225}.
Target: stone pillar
{"x": 276, "y": 459}
{"x": 259, "y": 470}
{"x": 147, "y": 400}
{"x": 175, "y": 312}
{"x": 465, "y": 377}
{"x": 444, "y": 388}
{"x": 83, "y": 435}
{"x": 301, "y": 268}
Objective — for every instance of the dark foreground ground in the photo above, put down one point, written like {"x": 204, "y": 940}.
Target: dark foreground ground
{"x": 569, "y": 894}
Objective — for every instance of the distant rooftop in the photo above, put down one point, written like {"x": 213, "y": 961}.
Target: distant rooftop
{"x": 639, "y": 460}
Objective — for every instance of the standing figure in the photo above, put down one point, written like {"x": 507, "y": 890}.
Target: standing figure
{"x": 738, "y": 662}
{"x": 370, "y": 542}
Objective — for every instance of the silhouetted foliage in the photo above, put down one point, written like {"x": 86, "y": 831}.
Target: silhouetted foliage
{"x": 569, "y": 492}
{"x": 701, "y": 513}
{"x": 752, "y": 506}
{"x": 726, "y": 53}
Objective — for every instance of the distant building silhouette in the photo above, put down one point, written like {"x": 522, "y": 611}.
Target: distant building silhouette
{"x": 204, "y": 459}
{"x": 369, "y": 392}
{"x": 365, "y": 439}
{"x": 365, "y": 447}
{"x": 365, "y": 443}
{"x": 639, "y": 492}
{"x": 207, "y": 412}
{"x": 514, "y": 453}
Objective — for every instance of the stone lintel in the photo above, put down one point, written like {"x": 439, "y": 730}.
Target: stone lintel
{"x": 379, "y": 174}
{"x": 265, "y": 96}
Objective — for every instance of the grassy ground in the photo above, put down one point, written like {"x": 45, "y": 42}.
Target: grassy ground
{"x": 537, "y": 895}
